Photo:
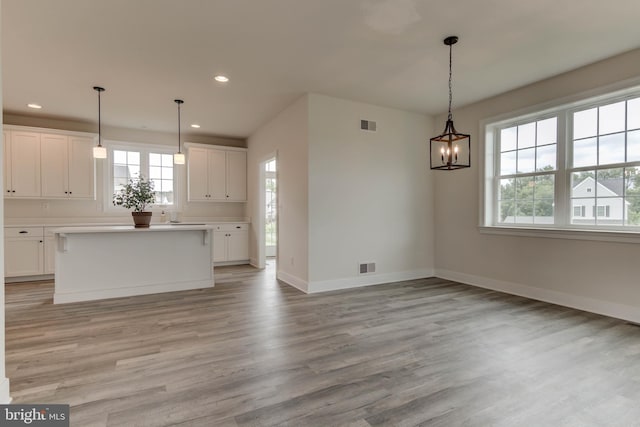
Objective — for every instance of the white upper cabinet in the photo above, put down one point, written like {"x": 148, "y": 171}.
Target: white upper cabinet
{"x": 22, "y": 163}
{"x": 50, "y": 165}
{"x": 217, "y": 174}
{"x": 68, "y": 167}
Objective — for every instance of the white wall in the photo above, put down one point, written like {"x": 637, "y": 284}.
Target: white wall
{"x": 23, "y": 211}
{"x": 286, "y": 134}
{"x": 370, "y": 194}
{"x": 4, "y": 382}
{"x": 592, "y": 275}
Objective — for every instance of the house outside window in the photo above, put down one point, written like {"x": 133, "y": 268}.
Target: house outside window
{"x": 575, "y": 166}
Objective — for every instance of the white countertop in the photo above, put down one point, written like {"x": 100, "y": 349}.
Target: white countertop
{"x": 94, "y": 223}
{"x": 131, "y": 228}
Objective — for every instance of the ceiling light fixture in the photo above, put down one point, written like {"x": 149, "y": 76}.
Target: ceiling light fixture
{"x": 99, "y": 152}
{"x": 221, "y": 79}
{"x": 450, "y": 150}
{"x": 195, "y": 126}
{"x": 34, "y": 106}
{"x": 178, "y": 158}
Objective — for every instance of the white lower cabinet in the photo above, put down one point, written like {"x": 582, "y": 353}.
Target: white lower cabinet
{"x": 23, "y": 251}
{"x": 230, "y": 242}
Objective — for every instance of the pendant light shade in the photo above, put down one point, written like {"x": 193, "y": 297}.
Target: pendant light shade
{"x": 178, "y": 158}
{"x": 451, "y": 149}
{"x": 99, "y": 152}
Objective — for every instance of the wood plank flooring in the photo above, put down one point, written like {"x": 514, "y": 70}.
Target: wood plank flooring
{"x": 255, "y": 352}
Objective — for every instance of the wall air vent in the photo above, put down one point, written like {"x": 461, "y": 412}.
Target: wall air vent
{"x": 368, "y": 125}
{"x": 367, "y": 268}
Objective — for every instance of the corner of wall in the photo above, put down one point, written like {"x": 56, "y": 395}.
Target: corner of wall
{"x": 4, "y": 382}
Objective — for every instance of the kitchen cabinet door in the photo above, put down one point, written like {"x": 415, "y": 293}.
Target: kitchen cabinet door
{"x": 237, "y": 245}
{"x": 217, "y": 175}
{"x": 236, "y": 176}
{"x": 82, "y": 173}
{"x": 6, "y": 152}
{"x": 55, "y": 178}
{"x": 219, "y": 246}
{"x": 25, "y": 164}
{"x": 198, "y": 174}
{"x": 23, "y": 256}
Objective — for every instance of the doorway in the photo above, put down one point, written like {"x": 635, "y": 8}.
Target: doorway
{"x": 271, "y": 210}
{"x": 267, "y": 224}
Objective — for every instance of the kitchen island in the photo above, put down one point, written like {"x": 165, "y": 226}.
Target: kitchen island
{"x": 117, "y": 261}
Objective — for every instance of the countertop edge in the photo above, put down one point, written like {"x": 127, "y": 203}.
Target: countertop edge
{"x": 131, "y": 228}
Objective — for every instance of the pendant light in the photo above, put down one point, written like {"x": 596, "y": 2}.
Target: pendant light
{"x": 99, "y": 152}
{"x": 450, "y": 150}
{"x": 178, "y": 158}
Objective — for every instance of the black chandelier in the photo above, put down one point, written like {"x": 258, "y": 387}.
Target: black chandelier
{"x": 450, "y": 150}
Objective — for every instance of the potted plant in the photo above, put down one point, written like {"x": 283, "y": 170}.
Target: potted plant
{"x": 136, "y": 195}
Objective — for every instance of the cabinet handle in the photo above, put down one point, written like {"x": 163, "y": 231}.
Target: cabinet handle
{"x": 13, "y": 191}
{"x": 8, "y": 191}
{"x": 227, "y": 196}
{"x": 237, "y": 226}
{"x": 40, "y": 241}
{"x": 24, "y": 232}
{"x": 66, "y": 192}
{"x": 70, "y": 192}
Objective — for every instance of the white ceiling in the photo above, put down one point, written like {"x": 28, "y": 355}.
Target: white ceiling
{"x": 146, "y": 53}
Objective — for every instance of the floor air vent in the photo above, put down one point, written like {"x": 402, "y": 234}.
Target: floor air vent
{"x": 368, "y": 125}
{"x": 367, "y": 268}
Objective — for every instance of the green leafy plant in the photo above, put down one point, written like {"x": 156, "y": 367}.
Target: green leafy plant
{"x": 136, "y": 194}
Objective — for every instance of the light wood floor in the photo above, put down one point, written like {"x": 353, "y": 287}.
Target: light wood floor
{"x": 254, "y": 352}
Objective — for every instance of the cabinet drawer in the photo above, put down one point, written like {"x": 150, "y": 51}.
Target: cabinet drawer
{"x": 230, "y": 227}
{"x": 23, "y": 232}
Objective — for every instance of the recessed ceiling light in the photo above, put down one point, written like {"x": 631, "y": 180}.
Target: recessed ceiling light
{"x": 195, "y": 126}
{"x": 34, "y": 106}
{"x": 220, "y": 78}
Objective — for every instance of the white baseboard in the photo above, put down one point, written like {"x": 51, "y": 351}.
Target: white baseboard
{"x": 77, "y": 296}
{"x": 606, "y": 308}
{"x": 253, "y": 262}
{"x": 5, "y": 399}
{"x": 28, "y": 278}
{"x": 368, "y": 280}
{"x": 294, "y": 281}
{"x": 223, "y": 263}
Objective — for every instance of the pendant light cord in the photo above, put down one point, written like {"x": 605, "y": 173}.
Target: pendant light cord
{"x": 99, "y": 90}
{"x": 450, "y": 117}
{"x": 179, "y": 102}
{"x": 99, "y": 122}
{"x": 179, "y": 128}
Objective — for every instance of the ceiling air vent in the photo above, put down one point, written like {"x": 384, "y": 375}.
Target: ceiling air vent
{"x": 368, "y": 125}
{"x": 367, "y": 267}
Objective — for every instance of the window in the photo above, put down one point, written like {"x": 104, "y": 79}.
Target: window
{"x": 133, "y": 160}
{"x": 574, "y": 166}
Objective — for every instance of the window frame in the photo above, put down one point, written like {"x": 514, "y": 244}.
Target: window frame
{"x": 563, "y": 109}
{"x": 144, "y": 150}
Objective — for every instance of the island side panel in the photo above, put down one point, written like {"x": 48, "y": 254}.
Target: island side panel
{"x": 92, "y": 266}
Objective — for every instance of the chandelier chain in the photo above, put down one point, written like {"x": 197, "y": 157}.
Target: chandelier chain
{"x": 450, "y": 117}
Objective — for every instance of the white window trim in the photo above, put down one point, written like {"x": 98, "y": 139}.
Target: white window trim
{"x": 107, "y": 172}
{"x": 487, "y": 205}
